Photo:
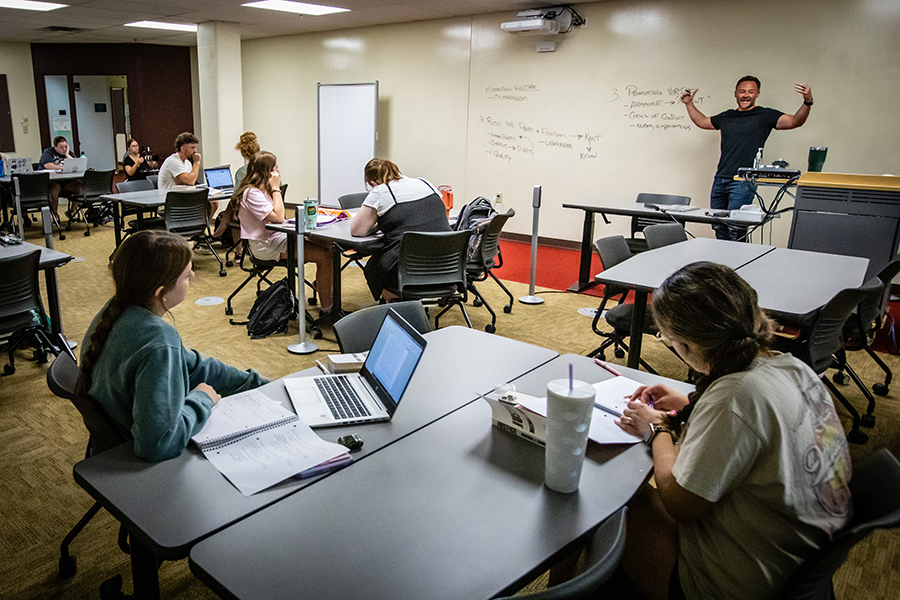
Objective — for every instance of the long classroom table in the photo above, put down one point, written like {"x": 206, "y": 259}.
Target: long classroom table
{"x": 169, "y": 506}
{"x": 456, "y": 510}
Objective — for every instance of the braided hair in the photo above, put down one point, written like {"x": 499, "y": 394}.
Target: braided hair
{"x": 143, "y": 263}
{"x": 710, "y": 306}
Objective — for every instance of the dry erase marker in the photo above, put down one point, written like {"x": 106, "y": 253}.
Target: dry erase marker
{"x": 607, "y": 367}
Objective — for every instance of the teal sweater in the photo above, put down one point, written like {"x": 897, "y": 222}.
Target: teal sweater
{"x": 144, "y": 379}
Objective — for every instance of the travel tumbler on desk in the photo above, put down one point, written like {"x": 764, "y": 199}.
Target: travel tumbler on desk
{"x": 569, "y": 408}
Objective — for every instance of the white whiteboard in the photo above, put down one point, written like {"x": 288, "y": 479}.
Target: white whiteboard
{"x": 347, "y": 134}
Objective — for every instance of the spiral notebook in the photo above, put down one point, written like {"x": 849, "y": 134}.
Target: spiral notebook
{"x": 255, "y": 442}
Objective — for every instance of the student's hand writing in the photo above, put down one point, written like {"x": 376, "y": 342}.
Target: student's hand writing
{"x": 205, "y": 387}
{"x": 662, "y": 397}
{"x": 637, "y": 417}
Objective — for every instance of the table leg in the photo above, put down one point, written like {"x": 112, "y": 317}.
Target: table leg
{"x": 584, "y": 270}
{"x": 144, "y": 570}
{"x": 117, "y": 222}
{"x": 53, "y": 300}
{"x": 292, "y": 264}
{"x": 637, "y": 329}
{"x": 336, "y": 312}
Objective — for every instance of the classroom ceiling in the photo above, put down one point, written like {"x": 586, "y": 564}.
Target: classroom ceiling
{"x": 102, "y": 21}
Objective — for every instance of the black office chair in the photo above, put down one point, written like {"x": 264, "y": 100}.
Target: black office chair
{"x": 602, "y": 555}
{"x": 105, "y": 433}
{"x": 353, "y": 256}
{"x": 614, "y": 250}
{"x": 185, "y": 215}
{"x": 433, "y": 269}
{"x": 821, "y": 346}
{"x": 153, "y": 222}
{"x": 868, "y": 319}
{"x": 90, "y": 208}
{"x": 356, "y": 332}
{"x": 154, "y": 181}
{"x": 638, "y": 224}
{"x": 664, "y": 234}
{"x": 31, "y": 192}
{"x": 351, "y": 201}
{"x": 875, "y": 489}
{"x": 138, "y": 185}
{"x": 483, "y": 257}
{"x": 22, "y": 316}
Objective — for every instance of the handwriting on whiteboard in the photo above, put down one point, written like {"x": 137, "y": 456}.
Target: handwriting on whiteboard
{"x": 657, "y": 109}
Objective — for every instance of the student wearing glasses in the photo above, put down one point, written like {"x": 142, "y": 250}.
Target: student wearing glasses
{"x": 751, "y": 475}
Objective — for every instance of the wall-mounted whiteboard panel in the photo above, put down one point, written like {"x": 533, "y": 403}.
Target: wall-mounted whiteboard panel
{"x": 347, "y": 134}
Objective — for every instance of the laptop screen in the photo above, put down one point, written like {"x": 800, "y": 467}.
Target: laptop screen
{"x": 394, "y": 356}
{"x": 219, "y": 177}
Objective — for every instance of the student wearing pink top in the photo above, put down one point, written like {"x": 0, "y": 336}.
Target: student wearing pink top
{"x": 258, "y": 202}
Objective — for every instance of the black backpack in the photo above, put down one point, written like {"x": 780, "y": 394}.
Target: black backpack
{"x": 476, "y": 216}
{"x": 271, "y": 311}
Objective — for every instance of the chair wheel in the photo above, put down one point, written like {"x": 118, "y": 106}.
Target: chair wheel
{"x": 867, "y": 420}
{"x": 312, "y": 301}
{"x": 317, "y": 334}
{"x": 490, "y": 328}
{"x": 69, "y": 227}
{"x": 840, "y": 378}
{"x": 477, "y": 302}
{"x": 507, "y": 309}
{"x": 87, "y": 233}
{"x": 67, "y": 566}
{"x": 223, "y": 273}
{"x": 619, "y": 353}
{"x": 62, "y": 236}
{"x": 229, "y": 311}
{"x": 880, "y": 389}
{"x": 857, "y": 437}
{"x": 9, "y": 369}
{"x": 41, "y": 356}
{"x": 229, "y": 263}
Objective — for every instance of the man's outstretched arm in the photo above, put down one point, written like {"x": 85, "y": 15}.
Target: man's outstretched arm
{"x": 699, "y": 119}
{"x": 797, "y": 119}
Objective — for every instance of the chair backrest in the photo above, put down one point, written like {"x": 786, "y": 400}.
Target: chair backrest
{"x": 283, "y": 187}
{"x": 826, "y": 335}
{"x": 186, "y": 212}
{"x": 661, "y": 199}
{"x": 875, "y": 489}
{"x": 489, "y": 244}
{"x": 664, "y": 234}
{"x": 602, "y": 556}
{"x": 62, "y": 377}
{"x": 433, "y": 260}
{"x": 20, "y": 294}
{"x": 32, "y": 190}
{"x": 154, "y": 181}
{"x": 356, "y": 332}
{"x": 348, "y": 201}
{"x": 137, "y": 185}
{"x": 612, "y": 250}
{"x": 97, "y": 183}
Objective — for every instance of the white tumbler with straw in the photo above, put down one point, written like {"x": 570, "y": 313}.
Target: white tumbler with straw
{"x": 570, "y": 404}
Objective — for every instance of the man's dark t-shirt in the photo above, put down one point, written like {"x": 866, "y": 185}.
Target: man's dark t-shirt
{"x": 50, "y": 155}
{"x": 743, "y": 134}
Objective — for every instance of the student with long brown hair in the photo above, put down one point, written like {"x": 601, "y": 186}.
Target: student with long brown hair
{"x": 257, "y": 202}
{"x": 134, "y": 363}
{"x": 756, "y": 481}
{"x": 395, "y": 204}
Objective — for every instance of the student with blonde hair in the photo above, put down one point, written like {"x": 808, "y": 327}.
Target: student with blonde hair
{"x": 134, "y": 363}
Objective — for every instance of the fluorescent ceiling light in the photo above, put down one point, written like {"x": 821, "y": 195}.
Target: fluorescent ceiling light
{"x": 30, "y": 5}
{"x": 301, "y": 8}
{"x": 160, "y": 25}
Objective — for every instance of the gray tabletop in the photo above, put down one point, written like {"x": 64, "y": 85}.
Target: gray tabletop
{"x": 49, "y": 257}
{"x": 54, "y": 176}
{"x": 171, "y": 505}
{"x": 456, "y": 510}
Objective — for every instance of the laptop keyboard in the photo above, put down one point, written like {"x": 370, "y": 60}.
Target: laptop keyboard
{"x": 341, "y": 398}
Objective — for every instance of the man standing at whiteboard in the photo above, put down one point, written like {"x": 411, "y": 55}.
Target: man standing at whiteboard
{"x": 744, "y": 131}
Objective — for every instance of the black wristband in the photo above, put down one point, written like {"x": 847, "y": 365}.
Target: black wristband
{"x": 810, "y": 103}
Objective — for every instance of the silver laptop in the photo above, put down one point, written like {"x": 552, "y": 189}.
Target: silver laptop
{"x": 219, "y": 179}
{"x": 20, "y": 166}
{"x": 370, "y": 395}
{"x": 74, "y": 165}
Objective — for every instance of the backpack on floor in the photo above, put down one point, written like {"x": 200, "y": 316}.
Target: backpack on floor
{"x": 271, "y": 311}
{"x": 476, "y": 215}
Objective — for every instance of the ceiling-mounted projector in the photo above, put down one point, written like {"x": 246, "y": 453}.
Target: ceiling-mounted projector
{"x": 544, "y": 21}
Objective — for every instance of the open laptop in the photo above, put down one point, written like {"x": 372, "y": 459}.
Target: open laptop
{"x": 20, "y": 166}
{"x": 219, "y": 179}
{"x": 74, "y": 165}
{"x": 377, "y": 388}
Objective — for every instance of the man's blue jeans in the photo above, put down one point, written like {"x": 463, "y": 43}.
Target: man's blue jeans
{"x": 728, "y": 194}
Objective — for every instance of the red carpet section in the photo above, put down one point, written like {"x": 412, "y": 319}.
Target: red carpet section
{"x": 557, "y": 269}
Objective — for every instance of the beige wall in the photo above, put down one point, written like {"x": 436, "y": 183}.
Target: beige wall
{"x": 15, "y": 63}
{"x": 464, "y": 104}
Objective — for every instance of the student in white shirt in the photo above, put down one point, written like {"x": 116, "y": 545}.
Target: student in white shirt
{"x": 183, "y": 167}
{"x": 756, "y": 482}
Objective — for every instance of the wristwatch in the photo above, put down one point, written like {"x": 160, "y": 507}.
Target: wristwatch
{"x": 656, "y": 429}
{"x": 810, "y": 103}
